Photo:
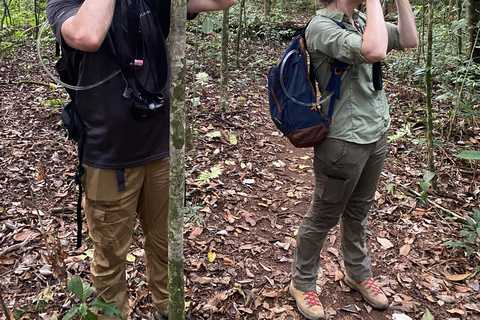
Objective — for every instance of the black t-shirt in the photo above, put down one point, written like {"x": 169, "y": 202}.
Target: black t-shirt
{"x": 114, "y": 139}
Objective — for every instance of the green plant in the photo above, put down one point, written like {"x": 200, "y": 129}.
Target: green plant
{"x": 192, "y": 216}
{"x": 425, "y": 185}
{"x": 82, "y": 291}
{"x": 469, "y": 234}
{"x": 206, "y": 175}
{"x": 44, "y": 297}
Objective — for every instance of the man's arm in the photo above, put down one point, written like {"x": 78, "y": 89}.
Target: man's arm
{"x": 195, "y": 6}
{"x": 375, "y": 37}
{"x": 87, "y": 29}
{"x": 406, "y": 25}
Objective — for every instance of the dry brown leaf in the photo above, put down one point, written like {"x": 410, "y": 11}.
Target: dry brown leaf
{"x": 195, "y": 233}
{"x": 427, "y": 295}
{"x": 333, "y": 251}
{"x": 462, "y": 289}
{"x": 22, "y": 236}
{"x": 409, "y": 240}
{"x": 265, "y": 268}
{"x": 227, "y": 261}
{"x": 338, "y": 275}
{"x": 405, "y": 250}
{"x": 405, "y": 297}
{"x": 386, "y": 244}
{"x": 458, "y": 311}
{"x": 272, "y": 294}
{"x": 472, "y": 306}
{"x": 458, "y": 277}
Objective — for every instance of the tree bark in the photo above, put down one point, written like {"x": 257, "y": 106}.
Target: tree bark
{"x": 224, "y": 58}
{"x": 176, "y": 48}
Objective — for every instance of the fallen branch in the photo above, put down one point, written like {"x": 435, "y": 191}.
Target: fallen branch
{"x": 459, "y": 217}
{"x": 16, "y": 246}
{"x": 49, "y": 85}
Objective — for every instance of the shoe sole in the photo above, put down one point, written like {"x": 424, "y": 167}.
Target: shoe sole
{"x": 353, "y": 287}
{"x": 298, "y": 307}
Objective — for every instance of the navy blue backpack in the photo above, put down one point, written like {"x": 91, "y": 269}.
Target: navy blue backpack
{"x": 292, "y": 95}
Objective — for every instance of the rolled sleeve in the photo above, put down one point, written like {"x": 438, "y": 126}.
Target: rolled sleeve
{"x": 58, "y": 11}
{"x": 325, "y": 36}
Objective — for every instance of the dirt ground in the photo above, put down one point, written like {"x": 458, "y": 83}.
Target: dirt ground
{"x": 241, "y": 226}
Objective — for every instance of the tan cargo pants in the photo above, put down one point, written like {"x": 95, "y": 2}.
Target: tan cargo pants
{"x": 346, "y": 178}
{"x": 110, "y": 216}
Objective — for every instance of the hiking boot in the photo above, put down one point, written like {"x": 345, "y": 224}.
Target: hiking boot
{"x": 369, "y": 291}
{"x": 158, "y": 316}
{"x": 307, "y": 303}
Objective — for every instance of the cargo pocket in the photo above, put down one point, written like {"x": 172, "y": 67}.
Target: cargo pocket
{"x": 331, "y": 189}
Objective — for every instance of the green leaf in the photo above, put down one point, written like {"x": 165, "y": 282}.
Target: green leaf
{"x": 478, "y": 232}
{"x": 87, "y": 291}
{"x": 390, "y": 187}
{"x": 428, "y": 176}
{"x": 83, "y": 308}
{"x": 109, "y": 309}
{"x": 476, "y": 215}
{"x": 424, "y": 185}
{"x": 76, "y": 286}
{"x": 427, "y": 315}
{"x": 71, "y": 313}
{"x": 207, "y": 26}
{"x": 471, "y": 222}
{"x": 469, "y": 155}
{"x": 90, "y": 316}
{"x": 454, "y": 244}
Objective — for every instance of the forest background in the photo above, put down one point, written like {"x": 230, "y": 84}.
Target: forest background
{"x": 247, "y": 187}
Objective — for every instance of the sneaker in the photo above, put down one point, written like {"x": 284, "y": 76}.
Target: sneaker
{"x": 158, "y": 316}
{"x": 369, "y": 291}
{"x": 307, "y": 303}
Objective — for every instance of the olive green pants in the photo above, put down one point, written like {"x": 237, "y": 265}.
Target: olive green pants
{"x": 110, "y": 216}
{"x": 346, "y": 178}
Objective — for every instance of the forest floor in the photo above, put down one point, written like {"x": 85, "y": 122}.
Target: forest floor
{"x": 249, "y": 214}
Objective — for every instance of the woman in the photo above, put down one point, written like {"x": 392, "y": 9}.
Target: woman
{"x": 348, "y": 163}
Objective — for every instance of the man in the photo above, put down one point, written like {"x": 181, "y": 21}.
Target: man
{"x": 126, "y": 124}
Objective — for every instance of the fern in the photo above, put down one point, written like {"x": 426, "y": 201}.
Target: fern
{"x": 206, "y": 175}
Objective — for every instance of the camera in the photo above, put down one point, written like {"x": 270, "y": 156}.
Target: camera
{"x": 144, "y": 108}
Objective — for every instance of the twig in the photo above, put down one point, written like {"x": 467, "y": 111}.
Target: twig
{"x": 462, "y": 219}
{"x": 49, "y": 85}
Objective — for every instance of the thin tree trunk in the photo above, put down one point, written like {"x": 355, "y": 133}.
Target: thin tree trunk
{"x": 428, "y": 80}
{"x": 240, "y": 28}
{"x": 473, "y": 19}
{"x": 224, "y": 58}
{"x": 177, "y": 43}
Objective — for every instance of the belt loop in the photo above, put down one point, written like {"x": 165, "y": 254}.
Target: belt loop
{"x": 120, "y": 179}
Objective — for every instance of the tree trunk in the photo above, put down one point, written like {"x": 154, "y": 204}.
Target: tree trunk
{"x": 224, "y": 59}
{"x": 240, "y": 28}
{"x": 473, "y": 19}
{"x": 429, "y": 85}
{"x": 176, "y": 50}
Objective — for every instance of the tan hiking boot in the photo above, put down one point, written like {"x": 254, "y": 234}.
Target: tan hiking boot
{"x": 308, "y": 303}
{"x": 370, "y": 292}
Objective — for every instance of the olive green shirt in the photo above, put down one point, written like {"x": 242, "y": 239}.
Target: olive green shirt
{"x": 361, "y": 115}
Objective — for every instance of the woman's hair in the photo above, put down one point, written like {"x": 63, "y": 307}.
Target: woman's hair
{"x": 325, "y": 1}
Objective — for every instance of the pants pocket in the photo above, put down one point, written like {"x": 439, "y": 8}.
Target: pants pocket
{"x": 331, "y": 189}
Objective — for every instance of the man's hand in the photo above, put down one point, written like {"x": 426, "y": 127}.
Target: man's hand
{"x": 195, "y": 6}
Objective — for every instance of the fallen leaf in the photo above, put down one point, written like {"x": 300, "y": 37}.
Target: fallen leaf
{"x": 272, "y": 294}
{"x": 24, "y": 235}
{"x": 405, "y": 250}
{"x": 211, "y": 256}
{"x": 338, "y": 275}
{"x": 195, "y": 233}
{"x": 130, "y": 257}
{"x": 386, "y": 244}
{"x": 232, "y": 139}
{"x": 458, "y": 277}
{"x": 227, "y": 261}
{"x": 462, "y": 289}
{"x": 352, "y": 308}
{"x": 458, "y": 311}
